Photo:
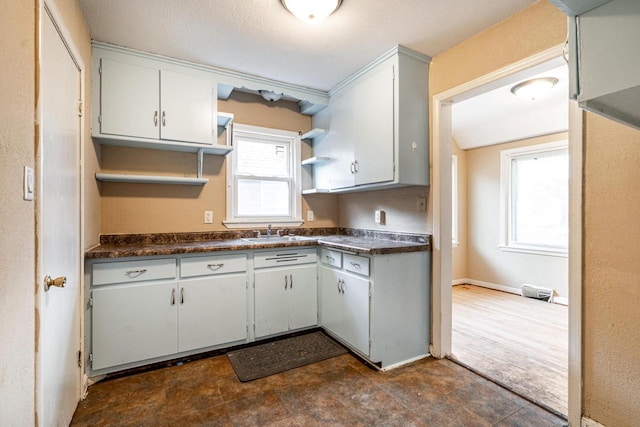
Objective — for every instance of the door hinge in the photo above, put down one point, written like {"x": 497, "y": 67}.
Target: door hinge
{"x": 91, "y": 300}
{"x": 91, "y": 359}
{"x": 79, "y": 359}
{"x": 80, "y": 109}
{"x": 100, "y": 119}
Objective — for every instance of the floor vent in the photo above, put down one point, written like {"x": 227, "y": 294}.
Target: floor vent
{"x": 535, "y": 292}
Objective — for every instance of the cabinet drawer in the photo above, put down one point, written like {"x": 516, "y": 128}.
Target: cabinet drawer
{"x": 208, "y": 265}
{"x": 284, "y": 257}
{"x": 356, "y": 264}
{"x": 330, "y": 257}
{"x": 133, "y": 271}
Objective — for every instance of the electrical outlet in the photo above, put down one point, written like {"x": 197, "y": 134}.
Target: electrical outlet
{"x": 421, "y": 204}
{"x": 379, "y": 217}
{"x": 208, "y": 217}
{"x": 309, "y": 215}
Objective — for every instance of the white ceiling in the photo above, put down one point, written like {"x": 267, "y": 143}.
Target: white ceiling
{"x": 498, "y": 116}
{"x": 260, "y": 37}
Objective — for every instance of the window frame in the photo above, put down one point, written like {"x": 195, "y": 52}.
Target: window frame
{"x": 295, "y": 189}
{"x": 506, "y": 242}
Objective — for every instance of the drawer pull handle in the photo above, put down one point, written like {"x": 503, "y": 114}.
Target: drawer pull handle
{"x": 342, "y": 286}
{"x": 285, "y": 282}
{"x": 155, "y": 118}
{"x": 173, "y": 296}
{"x": 181, "y": 295}
{"x": 291, "y": 281}
{"x": 215, "y": 267}
{"x": 164, "y": 118}
{"x": 355, "y": 265}
{"x": 330, "y": 258}
{"x": 339, "y": 280}
{"x": 136, "y": 273}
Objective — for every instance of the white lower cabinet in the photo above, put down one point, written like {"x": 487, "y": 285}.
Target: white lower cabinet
{"x": 133, "y": 322}
{"x": 344, "y": 307}
{"x": 377, "y": 305}
{"x": 285, "y": 297}
{"x": 212, "y": 311}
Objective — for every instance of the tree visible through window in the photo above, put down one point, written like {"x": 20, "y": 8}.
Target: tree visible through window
{"x": 535, "y": 194}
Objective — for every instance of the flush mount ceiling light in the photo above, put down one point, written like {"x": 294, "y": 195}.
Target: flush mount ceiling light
{"x": 534, "y": 88}
{"x": 311, "y": 10}
{"x": 271, "y": 96}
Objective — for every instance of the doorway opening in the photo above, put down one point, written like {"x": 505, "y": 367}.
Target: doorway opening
{"x": 490, "y": 242}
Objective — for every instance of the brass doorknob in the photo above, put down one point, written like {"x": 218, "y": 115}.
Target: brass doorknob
{"x": 58, "y": 282}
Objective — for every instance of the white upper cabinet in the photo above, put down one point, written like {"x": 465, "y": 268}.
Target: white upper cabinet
{"x": 378, "y": 123}
{"x": 144, "y": 102}
{"x": 603, "y": 61}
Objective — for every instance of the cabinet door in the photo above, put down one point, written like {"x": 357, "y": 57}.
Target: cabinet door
{"x": 133, "y": 322}
{"x": 303, "y": 297}
{"x": 187, "y": 108}
{"x": 337, "y": 145}
{"x": 374, "y": 130}
{"x": 129, "y": 100}
{"x": 271, "y": 301}
{"x": 213, "y": 310}
{"x": 355, "y": 306}
{"x": 331, "y": 307}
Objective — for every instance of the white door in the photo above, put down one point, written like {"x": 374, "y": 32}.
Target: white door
{"x": 355, "y": 327}
{"x": 331, "y": 302}
{"x": 58, "y": 371}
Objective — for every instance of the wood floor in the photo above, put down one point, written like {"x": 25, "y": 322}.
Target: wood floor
{"x": 520, "y": 342}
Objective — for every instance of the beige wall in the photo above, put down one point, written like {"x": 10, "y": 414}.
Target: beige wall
{"x": 487, "y": 262}
{"x": 17, "y": 235}
{"x": 17, "y": 217}
{"x": 157, "y": 208}
{"x": 357, "y": 210}
{"x": 611, "y": 291}
{"x": 459, "y": 255}
{"x": 611, "y": 201}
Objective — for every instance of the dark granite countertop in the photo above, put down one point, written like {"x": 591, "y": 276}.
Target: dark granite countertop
{"x": 353, "y": 240}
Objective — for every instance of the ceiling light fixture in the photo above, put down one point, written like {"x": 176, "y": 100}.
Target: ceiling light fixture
{"x": 271, "y": 96}
{"x": 534, "y": 88}
{"x": 311, "y": 10}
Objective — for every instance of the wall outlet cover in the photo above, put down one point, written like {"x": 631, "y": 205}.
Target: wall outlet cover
{"x": 310, "y": 216}
{"x": 208, "y": 217}
{"x": 379, "y": 217}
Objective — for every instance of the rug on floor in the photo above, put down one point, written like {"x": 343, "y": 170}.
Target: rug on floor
{"x": 278, "y": 356}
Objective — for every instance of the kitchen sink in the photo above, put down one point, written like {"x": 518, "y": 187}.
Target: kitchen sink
{"x": 277, "y": 239}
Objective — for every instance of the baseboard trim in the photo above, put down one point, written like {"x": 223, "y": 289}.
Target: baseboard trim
{"x": 509, "y": 289}
{"x": 588, "y": 422}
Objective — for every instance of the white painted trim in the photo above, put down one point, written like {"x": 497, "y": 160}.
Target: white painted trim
{"x": 588, "y": 422}
{"x": 575, "y": 261}
{"x": 441, "y": 274}
{"x": 456, "y": 282}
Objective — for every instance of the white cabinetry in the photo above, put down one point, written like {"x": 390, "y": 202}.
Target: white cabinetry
{"x": 285, "y": 292}
{"x": 142, "y": 310}
{"x": 378, "y": 121}
{"x": 603, "y": 61}
{"x": 377, "y": 305}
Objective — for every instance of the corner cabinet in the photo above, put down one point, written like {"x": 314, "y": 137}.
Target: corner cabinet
{"x": 376, "y": 305}
{"x": 378, "y": 121}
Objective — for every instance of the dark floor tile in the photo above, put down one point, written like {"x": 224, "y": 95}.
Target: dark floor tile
{"x": 490, "y": 403}
{"x": 262, "y": 409}
{"x": 532, "y": 416}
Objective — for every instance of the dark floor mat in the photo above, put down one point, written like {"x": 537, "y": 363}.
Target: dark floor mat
{"x": 278, "y": 356}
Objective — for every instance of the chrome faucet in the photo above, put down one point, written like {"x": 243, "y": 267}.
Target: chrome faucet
{"x": 269, "y": 230}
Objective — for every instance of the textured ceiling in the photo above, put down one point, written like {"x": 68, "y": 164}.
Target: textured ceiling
{"x": 260, "y": 37}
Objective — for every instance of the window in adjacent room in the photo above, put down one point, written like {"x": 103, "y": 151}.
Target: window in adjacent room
{"x": 263, "y": 177}
{"x": 534, "y": 184}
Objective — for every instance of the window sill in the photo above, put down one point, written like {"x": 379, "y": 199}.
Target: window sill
{"x": 455, "y": 244}
{"x": 533, "y": 250}
{"x": 262, "y": 223}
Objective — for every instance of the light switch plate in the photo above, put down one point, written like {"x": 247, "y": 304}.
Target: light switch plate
{"x": 379, "y": 217}
{"x": 208, "y": 217}
{"x": 310, "y": 216}
{"x": 29, "y": 184}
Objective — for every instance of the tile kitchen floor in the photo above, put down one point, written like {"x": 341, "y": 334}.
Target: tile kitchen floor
{"x": 338, "y": 391}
